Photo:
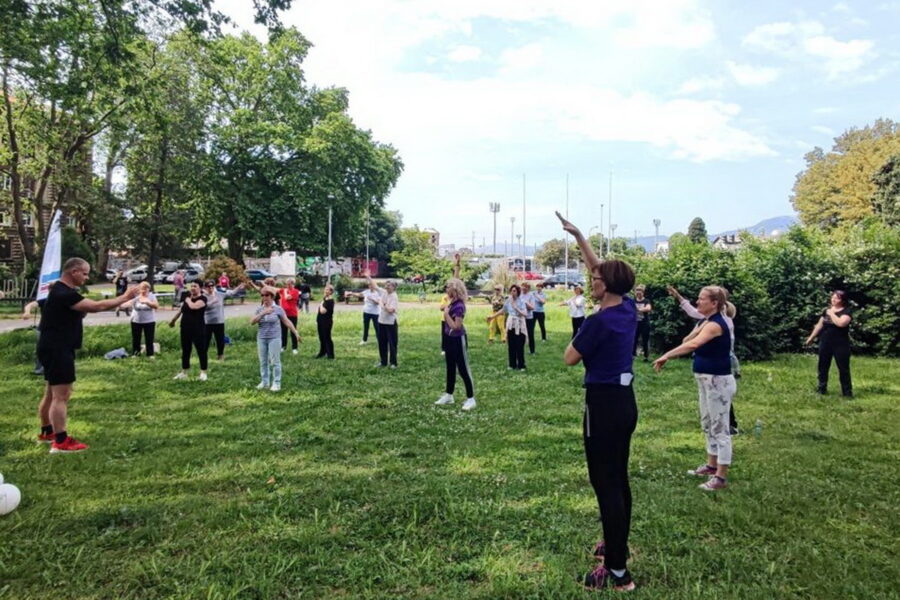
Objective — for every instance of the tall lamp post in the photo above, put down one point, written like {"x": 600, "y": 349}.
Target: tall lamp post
{"x": 519, "y": 237}
{"x": 512, "y": 233}
{"x": 656, "y": 224}
{"x": 495, "y": 208}
{"x": 602, "y": 254}
{"x": 612, "y": 228}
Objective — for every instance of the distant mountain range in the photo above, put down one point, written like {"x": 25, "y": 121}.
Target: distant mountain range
{"x": 766, "y": 226}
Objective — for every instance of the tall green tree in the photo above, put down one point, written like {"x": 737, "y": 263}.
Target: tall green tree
{"x": 283, "y": 153}
{"x": 886, "y": 199}
{"x": 697, "y": 231}
{"x": 553, "y": 254}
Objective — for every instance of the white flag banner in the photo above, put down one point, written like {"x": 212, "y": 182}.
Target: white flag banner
{"x": 52, "y": 264}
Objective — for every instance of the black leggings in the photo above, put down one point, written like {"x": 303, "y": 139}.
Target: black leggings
{"x": 515, "y": 349}
{"x": 443, "y": 339}
{"x": 840, "y": 351}
{"x": 195, "y": 337}
{"x": 576, "y": 325}
{"x": 369, "y": 318}
{"x": 284, "y": 332}
{"x": 326, "y": 344}
{"x": 539, "y": 318}
{"x": 642, "y": 336}
{"x": 387, "y": 343}
{"x": 529, "y": 327}
{"x": 457, "y": 359}
{"x": 149, "y": 330}
{"x": 216, "y": 330}
{"x": 610, "y": 416}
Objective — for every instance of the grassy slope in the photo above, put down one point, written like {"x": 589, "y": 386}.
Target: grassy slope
{"x": 349, "y": 483}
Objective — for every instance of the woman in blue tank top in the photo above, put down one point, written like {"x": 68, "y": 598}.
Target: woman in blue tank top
{"x": 711, "y": 344}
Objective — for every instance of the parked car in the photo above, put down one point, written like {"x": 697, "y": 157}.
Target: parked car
{"x": 136, "y": 274}
{"x": 161, "y": 276}
{"x": 258, "y": 274}
{"x": 189, "y": 275}
{"x": 559, "y": 279}
{"x": 110, "y": 274}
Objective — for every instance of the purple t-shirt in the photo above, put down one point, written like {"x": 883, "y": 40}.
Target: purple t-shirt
{"x": 456, "y": 309}
{"x": 606, "y": 342}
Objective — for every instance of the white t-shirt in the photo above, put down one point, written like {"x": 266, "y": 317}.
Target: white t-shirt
{"x": 388, "y": 300}
{"x": 370, "y": 302}
{"x": 576, "y": 306}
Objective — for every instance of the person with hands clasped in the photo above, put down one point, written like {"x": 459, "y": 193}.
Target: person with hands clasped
{"x": 325, "y": 322}
{"x": 143, "y": 319}
{"x": 710, "y": 342}
{"x": 270, "y": 318}
{"x": 516, "y": 329}
{"x": 193, "y": 330}
{"x": 576, "y": 306}
{"x": 387, "y": 325}
{"x": 604, "y": 345}
{"x": 833, "y": 330}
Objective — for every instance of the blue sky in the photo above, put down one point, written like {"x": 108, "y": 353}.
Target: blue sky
{"x": 697, "y": 108}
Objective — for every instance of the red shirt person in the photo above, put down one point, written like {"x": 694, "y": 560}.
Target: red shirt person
{"x": 289, "y": 299}
{"x": 224, "y": 281}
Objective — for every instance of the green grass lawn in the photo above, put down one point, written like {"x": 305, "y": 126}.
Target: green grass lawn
{"x": 350, "y": 484}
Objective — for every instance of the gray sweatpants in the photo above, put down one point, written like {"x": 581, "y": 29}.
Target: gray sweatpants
{"x": 716, "y": 392}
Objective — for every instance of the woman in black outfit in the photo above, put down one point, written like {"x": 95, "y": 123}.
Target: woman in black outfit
{"x": 604, "y": 344}
{"x": 324, "y": 323}
{"x": 644, "y": 308}
{"x": 833, "y": 329}
{"x": 193, "y": 330}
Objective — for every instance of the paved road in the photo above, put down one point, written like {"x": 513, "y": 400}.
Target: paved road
{"x": 231, "y": 310}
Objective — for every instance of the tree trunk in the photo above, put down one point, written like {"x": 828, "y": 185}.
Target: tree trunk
{"x": 158, "y": 207}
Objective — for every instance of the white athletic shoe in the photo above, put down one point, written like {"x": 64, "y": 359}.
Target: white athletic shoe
{"x": 262, "y": 385}
{"x": 180, "y": 375}
{"x": 276, "y": 387}
{"x": 203, "y": 377}
{"x": 469, "y": 404}
{"x": 363, "y": 343}
{"x": 445, "y": 399}
{"x": 295, "y": 352}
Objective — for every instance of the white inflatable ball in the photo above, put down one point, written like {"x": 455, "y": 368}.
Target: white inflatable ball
{"x": 10, "y": 496}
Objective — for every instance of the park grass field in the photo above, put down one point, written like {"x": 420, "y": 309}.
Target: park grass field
{"x": 350, "y": 484}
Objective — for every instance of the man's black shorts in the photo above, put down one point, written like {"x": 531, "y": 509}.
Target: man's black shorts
{"x": 59, "y": 365}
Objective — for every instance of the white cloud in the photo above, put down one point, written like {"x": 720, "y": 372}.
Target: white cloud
{"x": 523, "y": 57}
{"x": 700, "y": 84}
{"x": 748, "y": 75}
{"x": 464, "y": 54}
{"x": 808, "y": 40}
{"x": 823, "y": 130}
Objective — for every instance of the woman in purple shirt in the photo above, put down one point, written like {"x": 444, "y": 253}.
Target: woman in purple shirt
{"x": 456, "y": 354}
{"x": 604, "y": 344}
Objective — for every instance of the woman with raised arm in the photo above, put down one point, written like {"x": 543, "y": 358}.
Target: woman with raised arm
{"x": 833, "y": 329}
{"x": 370, "y": 298}
{"x": 710, "y": 343}
{"x": 576, "y": 306}
{"x": 193, "y": 330}
{"x": 143, "y": 320}
{"x": 603, "y": 345}
{"x": 456, "y": 354}
{"x": 215, "y": 314}
{"x": 270, "y": 318}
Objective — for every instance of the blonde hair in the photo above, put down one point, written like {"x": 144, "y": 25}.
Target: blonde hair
{"x": 730, "y": 310}
{"x": 458, "y": 288}
{"x": 144, "y": 285}
{"x": 717, "y": 294}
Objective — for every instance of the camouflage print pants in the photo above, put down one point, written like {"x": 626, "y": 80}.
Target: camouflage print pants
{"x": 716, "y": 392}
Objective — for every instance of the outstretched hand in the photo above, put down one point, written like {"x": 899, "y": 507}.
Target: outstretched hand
{"x": 659, "y": 363}
{"x": 567, "y": 225}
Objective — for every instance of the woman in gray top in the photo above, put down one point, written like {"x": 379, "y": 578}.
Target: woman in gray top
{"x": 214, "y": 317}
{"x": 270, "y": 317}
{"x": 143, "y": 320}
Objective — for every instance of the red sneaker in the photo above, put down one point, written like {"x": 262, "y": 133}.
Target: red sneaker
{"x": 69, "y": 445}
{"x": 46, "y": 438}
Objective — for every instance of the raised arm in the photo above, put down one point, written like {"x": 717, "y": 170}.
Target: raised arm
{"x": 587, "y": 253}
{"x": 86, "y": 305}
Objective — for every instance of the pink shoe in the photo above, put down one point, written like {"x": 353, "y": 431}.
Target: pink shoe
{"x": 714, "y": 483}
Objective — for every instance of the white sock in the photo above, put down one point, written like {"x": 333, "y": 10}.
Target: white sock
{"x": 618, "y": 572}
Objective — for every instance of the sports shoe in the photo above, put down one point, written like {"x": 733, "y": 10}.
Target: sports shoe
{"x": 68, "y": 446}
{"x": 469, "y": 404}
{"x": 295, "y": 351}
{"x": 181, "y": 375}
{"x": 362, "y": 343}
{"x": 599, "y": 550}
{"x": 46, "y": 438}
{"x": 703, "y": 471}
{"x": 276, "y": 387}
{"x": 262, "y": 385}
{"x": 445, "y": 399}
{"x": 601, "y": 578}
{"x": 714, "y": 483}
{"x": 203, "y": 376}
{"x": 393, "y": 366}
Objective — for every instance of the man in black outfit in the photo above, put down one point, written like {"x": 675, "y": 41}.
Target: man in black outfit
{"x": 61, "y": 334}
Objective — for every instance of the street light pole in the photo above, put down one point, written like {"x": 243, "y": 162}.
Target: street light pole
{"x": 612, "y": 228}
{"x": 602, "y": 254}
{"x": 566, "y": 240}
{"x": 512, "y": 232}
{"x": 656, "y": 224}
{"x": 495, "y": 208}
{"x": 328, "y": 265}
{"x": 523, "y": 220}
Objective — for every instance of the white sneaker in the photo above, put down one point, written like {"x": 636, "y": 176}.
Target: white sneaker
{"x": 203, "y": 377}
{"x": 363, "y": 343}
{"x": 262, "y": 385}
{"x": 469, "y": 404}
{"x": 276, "y": 387}
{"x": 443, "y": 353}
{"x": 181, "y": 375}
{"x": 295, "y": 352}
{"x": 445, "y": 399}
